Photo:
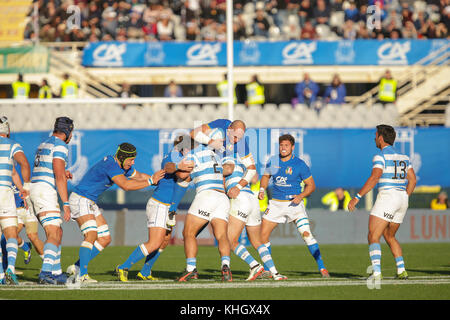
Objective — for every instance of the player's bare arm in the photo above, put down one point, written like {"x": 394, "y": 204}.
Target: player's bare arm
{"x": 59, "y": 169}
{"x": 263, "y": 186}
{"x": 200, "y": 134}
{"x": 411, "y": 176}
{"x": 228, "y": 169}
{"x": 183, "y": 165}
{"x": 20, "y": 158}
{"x": 158, "y": 175}
{"x": 131, "y": 184}
{"x": 369, "y": 185}
{"x": 310, "y": 187}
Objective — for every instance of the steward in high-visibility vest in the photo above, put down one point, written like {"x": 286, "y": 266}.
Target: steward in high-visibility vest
{"x": 265, "y": 201}
{"x": 255, "y": 92}
{"x": 332, "y": 200}
{"x": 69, "y": 88}
{"x": 388, "y": 89}
{"x": 222, "y": 88}
{"x": 44, "y": 91}
{"x": 20, "y": 89}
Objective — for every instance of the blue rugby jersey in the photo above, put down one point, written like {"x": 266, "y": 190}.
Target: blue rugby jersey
{"x": 99, "y": 178}
{"x": 233, "y": 179}
{"x": 395, "y": 167}
{"x": 207, "y": 173}
{"x": 166, "y": 186}
{"x": 8, "y": 148}
{"x": 241, "y": 147}
{"x": 287, "y": 176}
{"x": 52, "y": 148}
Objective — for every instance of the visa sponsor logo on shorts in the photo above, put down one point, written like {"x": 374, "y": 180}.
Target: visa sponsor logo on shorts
{"x": 242, "y": 214}
{"x": 389, "y": 216}
{"x": 203, "y": 213}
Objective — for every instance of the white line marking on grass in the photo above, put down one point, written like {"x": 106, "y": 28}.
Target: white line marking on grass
{"x": 159, "y": 285}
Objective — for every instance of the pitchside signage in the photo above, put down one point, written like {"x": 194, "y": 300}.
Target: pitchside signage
{"x": 251, "y": 53}
{"x": 341, "y": 227}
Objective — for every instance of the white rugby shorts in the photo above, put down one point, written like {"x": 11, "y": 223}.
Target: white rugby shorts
{"x": 157, "y": 214}
{"x": 391, "y": 205}
{"x": 246, "y": 208}
{"x": 284, "y": 211}
{"x": 81, "y": 206}
{"x": 210, "y": 204}
{"x": 44, "y": 198}
{"x": 7, "y": 202}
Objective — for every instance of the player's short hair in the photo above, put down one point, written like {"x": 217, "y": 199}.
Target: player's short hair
{"x": 387, "y": 132}
{"x": 287, "y": 137}
{"x": 184, "y": 141}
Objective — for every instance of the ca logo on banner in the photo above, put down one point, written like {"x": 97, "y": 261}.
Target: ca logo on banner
{"x": 109, "y": 55}
{"x": 394, "y": 53}
{"x": 203, "y": 54}
{"x": 299, "y": 53}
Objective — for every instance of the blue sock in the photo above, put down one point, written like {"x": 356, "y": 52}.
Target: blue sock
{"x": 375, "y": 257}
{"x": 139, "y": 253}
{"x": 85, "y": 256}
{"x": 25, "y": 246}
{"x": 315, "y": 252}
{"x": 50, "y": 253}
{"x": 243, "y": 253}
{"x": 149, "y": 262}
{"x": 12, "y": 248}
{"x": 94, "y": 252}
{"x": 4, "y": 253}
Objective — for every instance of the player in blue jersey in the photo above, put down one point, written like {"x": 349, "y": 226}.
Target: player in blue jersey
{"x": 231, "y": 141}
{"x": 245, "y": 212}
{"x": 158, "y": 206}
{"x": 119, "y": 170}
{"x": 10, "y": 152}
{"x": 396, "y": 180}
{"x": 286, "y": 205}
{"x": 49, "y": 178}
{"x": 210, "y": 204}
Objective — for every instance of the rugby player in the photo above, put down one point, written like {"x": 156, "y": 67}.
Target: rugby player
{"x": 286, "y": 205}
{"x": 396, "y": 180}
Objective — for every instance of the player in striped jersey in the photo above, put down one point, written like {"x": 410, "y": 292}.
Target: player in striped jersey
{"x": 10, "y": 152}
{"x": 119, "y": 170}
{"x": 245, "y": 212}
{"x": 49, "y": 178}
{"x": 158, "y": 207}
{"x": 210, "y": 204}
{"x": 396, "y": 181}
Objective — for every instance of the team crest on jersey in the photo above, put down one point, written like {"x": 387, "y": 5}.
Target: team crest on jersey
{"x": 289, "y": 170}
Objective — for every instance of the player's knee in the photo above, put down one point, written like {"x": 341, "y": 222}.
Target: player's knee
{"x": 305, "y": 234}
{"x": 33, "y": 236}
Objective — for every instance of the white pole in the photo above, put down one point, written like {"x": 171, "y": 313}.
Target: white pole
{"x": 230, "y": 78}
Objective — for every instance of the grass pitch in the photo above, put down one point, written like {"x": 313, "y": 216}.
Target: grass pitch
{"x": 428, "y": 266}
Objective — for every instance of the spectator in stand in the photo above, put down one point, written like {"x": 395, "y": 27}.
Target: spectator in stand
{"x": 306, "y": 91}
{"x": 239, "y": 28}
{"x": 441, "y": 31}
{"x": 321, "y": 12}
{"x": 362, "y": 32}
{"x": 165, "y": 28}
{"x": 392, "y": 21}
{"x": 308, "y": 31}
{"x": 440, "y": 203}
{"x": 305, "y": 12}
{"x": 221, "y": 34}
{"x": 409, "y": 31}
{"x": 428, "y": 31}
{"x": 407, "y": 15}
{"x": 335, "y": 93}
{"x": 134, "y": 26}
{"x": 173, "y": 90}
{"x": 420, "y": 21}
{"x": 150, "y": 29}
{"x": 352, "y": 12}
{"x": 260, "y": 24}
{"x": 349, "y": 31}
{"x": 193, "y": 30}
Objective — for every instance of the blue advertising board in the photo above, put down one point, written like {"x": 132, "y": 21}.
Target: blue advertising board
{"x": 337, "y": 157}
{"x": 252, "y": 53}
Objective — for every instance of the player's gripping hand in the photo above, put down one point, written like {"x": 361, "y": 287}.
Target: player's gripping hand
{"x": 186, "y": 165}
{"x": 352, "y": 204}
{"x": 171, "y": 221}
{"x": 69, "y": 175}
{"x": 66, "y": 213}
{"x": 158, "y": 175}
{"x": 261, "y": 194}
{"x": 217, "y": 144}
{"x": 297, "y": 199}
{"x": 233, "y": 192}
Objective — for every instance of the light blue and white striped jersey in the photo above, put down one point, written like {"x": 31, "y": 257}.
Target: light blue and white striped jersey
{"x": 207, "y": 173}
{"x": 233, "y": 179}
{"x": 52, "y": 148}
{"x": 8, "y": 148}
{"x": 395, "y": 167}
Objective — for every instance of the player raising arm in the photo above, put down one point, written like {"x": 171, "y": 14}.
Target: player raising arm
{"x": 396, "y": 182}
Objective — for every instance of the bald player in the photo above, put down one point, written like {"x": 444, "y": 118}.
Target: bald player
{"x": 232, "y": 144}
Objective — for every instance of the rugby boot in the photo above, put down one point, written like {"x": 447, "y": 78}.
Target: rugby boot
{"x": 278, "y": 277}
{"x": 402, "y": 276}
{"x": 226, "y": 274}
{"x": 122, "y": 274}
{"x": 140, "y": 276}
{"x": 255, "y": 272}
{"x": 188, "y": 275}
{"x": 27, "y": 254}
